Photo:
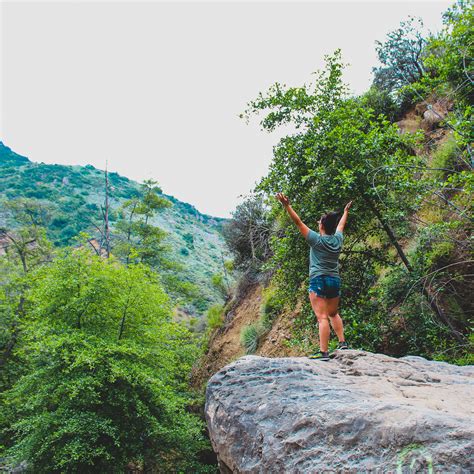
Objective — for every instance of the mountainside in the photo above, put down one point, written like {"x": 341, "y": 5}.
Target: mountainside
{"x": 73, "y": 196}
{"x": 279, "y": 339}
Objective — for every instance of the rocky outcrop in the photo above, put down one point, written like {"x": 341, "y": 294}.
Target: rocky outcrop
{"x": 358, "y": 412}
{"x": 426, "y": 115}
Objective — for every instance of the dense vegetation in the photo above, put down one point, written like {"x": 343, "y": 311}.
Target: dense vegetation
{"x": 101, "y": 371}
{"x": 72, "y": 198}
{"x": 407, "y": 263}
{"x": 94, "y": 363}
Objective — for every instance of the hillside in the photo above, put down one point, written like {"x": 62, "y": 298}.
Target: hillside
{"x": 283, "y": 337}
{"x": 73, "y": 195}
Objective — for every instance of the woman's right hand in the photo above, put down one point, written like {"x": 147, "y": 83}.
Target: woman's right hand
{"x": 283, "y": 199}
{"x": 348, "y": 206}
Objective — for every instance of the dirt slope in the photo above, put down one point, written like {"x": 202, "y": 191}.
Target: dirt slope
{"x": 224, "y": 343}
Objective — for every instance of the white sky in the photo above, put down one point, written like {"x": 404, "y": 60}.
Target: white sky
{"x": 156, "y": 88}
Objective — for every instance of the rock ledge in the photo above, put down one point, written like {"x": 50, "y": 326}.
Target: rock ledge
{"x": 359, "y": 412}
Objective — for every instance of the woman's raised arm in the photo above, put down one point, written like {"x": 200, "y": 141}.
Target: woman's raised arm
{"x": 303, "y": 228}
{"x": 342, "y": 222}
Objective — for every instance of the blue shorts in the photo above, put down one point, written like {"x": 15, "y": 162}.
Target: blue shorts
{"x": 325, "y": 286}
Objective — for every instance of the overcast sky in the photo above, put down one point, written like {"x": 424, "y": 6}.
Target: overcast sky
{"x": 156, "y": 88}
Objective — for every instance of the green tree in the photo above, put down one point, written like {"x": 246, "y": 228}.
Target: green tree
{"x": 342, "y": 151}
{"x": 25, "y": 247}
{"x": 136, "y": 235}
{"x": 107, "y": 372}
{"x": 449, "y": 55}
{"x": 401, "y": 55}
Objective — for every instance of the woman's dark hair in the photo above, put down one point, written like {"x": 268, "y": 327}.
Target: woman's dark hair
{"x": 329, "y": 221}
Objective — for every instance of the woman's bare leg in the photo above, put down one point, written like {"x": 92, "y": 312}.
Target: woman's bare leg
{"x": 324, "y": 333}
{"x": 323, "y": 308}
{"x": 336, "y": 323}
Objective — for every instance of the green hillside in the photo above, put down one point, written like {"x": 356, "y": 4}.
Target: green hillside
{"x": 73, "y": 195}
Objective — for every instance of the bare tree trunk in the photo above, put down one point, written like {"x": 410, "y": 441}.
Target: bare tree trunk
{"x": 390, "y": 233}
{"x": 106, "y": 214}
{"x": 252, "y": 244}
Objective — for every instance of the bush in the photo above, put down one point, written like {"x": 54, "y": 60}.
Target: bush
{"x": 272, "y": 306}
{"x": 249, "y": 338}
{"x": 445, "y": 158}
{"x": 220, "y": 284}
{"x": 214, "y": 316}
{"x": 381, "y": 102}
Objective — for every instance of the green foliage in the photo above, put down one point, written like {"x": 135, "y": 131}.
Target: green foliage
{"x": 297, "y": 105}
{"x": 218, "y": 281}
{"x": 12, "y": 288}
{"x": 449, "y": 54}
{"x": 249, "y": 338}
{"x": 135, "y": 234}
{"x": 229, "y": 266}
{"x": 445, "y": 159}
{"x": 462, "y": 355}
{"x": 106, "y": 372}
{"x": 401, "y": 56}
{"x": 343, "y": 153}
{"x": 215, "y": 316}
{"x": 247, "y": 234}
{"x": 381, "y": 102}
{"x": 272, "y": 306}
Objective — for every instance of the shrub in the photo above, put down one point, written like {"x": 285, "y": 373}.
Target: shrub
{"x": 272, "y": 306}
{"x": 249, "y": 338}
{"x": 445, "y": 158}
{"x": 381, "y": 102}
{"x": 220, "y": 284}
{"x": 214, "y": 316}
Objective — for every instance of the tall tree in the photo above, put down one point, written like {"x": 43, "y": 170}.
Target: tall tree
{"x": 401, "y": 55}
{"x": 342, "y": 151}
{"x": 106, "y": 379}
{"x": 137, "y": 236}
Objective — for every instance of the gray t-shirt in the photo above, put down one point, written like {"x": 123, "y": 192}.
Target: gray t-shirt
{"x": 324, "y": 253}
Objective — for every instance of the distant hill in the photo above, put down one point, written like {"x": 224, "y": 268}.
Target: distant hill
{"x": 74, "y": 195}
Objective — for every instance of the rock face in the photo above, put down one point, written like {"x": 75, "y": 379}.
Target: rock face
{"x": 358, "y": 412}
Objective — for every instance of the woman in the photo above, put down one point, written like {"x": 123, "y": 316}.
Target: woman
{"x": 325, "y": 282}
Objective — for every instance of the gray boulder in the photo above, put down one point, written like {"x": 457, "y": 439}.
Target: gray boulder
{"x": 357, "y": 413}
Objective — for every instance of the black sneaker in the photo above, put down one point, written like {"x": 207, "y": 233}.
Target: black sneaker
{"x": 319, "y": 355}
{"x": 342, "y": 345}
